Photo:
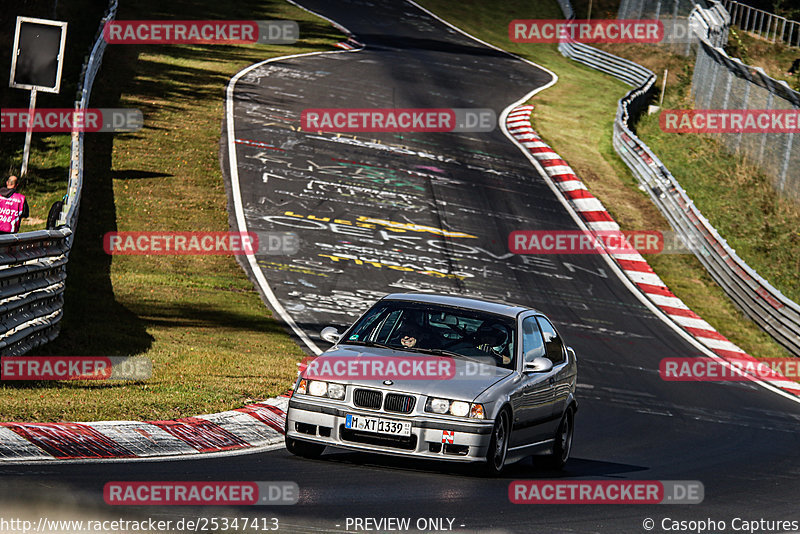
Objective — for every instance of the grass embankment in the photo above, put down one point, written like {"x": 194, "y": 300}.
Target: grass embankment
{"x": 213, "y": 343}
{"x": 575, "y": 117}
{"x": 775, "y": 58}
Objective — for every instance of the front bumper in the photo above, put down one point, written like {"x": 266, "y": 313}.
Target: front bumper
{"x": 436, "y": 438}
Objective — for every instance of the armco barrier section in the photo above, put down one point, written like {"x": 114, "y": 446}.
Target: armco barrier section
{"x": 33, "y": 265}
{"x": 765, "y": 305}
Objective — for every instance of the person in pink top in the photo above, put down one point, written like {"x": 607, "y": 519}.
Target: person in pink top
{"x": 13, "y": 207}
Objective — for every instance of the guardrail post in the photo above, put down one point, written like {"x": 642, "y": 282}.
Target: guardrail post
{"x": 787, "y": 156}
{"x": 728, "y": 85}
{"x": 747, "y": 21}
{"x": 764, "y": 135}
{"x": 745, "y": 105}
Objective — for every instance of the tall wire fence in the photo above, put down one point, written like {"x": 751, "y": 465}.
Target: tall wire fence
{"x": 722, "y": 82}
{"x": 681, "y": 19}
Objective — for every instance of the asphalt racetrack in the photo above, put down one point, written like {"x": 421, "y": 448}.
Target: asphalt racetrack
{"x": 442, "y": 205}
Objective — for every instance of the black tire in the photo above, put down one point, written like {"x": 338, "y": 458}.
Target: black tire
{"x": 563, "y": 440}
{"x": 498, "y": 446}
{"x": 53, "y": 214}
{"x": 302, "y": 448}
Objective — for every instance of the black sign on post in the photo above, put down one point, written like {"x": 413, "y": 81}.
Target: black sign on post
{"x": 38, "y": 55}
{"x": 36, "y": 64}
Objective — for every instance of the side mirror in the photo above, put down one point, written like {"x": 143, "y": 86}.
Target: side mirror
{"x": 571, "y": 352}
{"x": 538, "y": 365}
{"x": 330, "y": 334}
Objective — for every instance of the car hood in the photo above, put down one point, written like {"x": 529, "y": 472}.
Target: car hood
{"x": 471, "y": 378}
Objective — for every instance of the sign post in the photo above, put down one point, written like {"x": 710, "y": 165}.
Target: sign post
{"x": 28, "y": 134}
{"x": 36, "y": 65}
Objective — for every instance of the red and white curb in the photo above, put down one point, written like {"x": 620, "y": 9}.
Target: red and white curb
{"x": 256, "y": 425}
{"x": 350, "y": 44}
{"x": 633, "y": 265}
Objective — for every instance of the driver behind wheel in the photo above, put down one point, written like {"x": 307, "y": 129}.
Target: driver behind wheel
{"x": 492, "y": 339}
{"x": 413, "y": 331}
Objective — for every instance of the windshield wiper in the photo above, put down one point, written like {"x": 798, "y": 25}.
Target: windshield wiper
{"x": 444, "y": 352}
{"x": 370, "y": 344}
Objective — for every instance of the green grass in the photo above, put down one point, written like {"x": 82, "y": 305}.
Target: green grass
{"x": 575, "y": 117}
{"x": 213, "y": 343}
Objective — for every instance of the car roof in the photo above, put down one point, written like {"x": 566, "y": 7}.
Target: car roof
{"x": 498, "y": 308}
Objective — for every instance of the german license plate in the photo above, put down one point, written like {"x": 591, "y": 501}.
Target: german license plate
{"x": 377, "y": 425}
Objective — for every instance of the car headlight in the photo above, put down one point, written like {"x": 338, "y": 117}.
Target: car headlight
{"x": 317, "y": 388}
{"x": 320, "y": 388}
{"x": 457, "y": 408}
{"x": 335, "y": 391}
{"x": 437, "y": 405}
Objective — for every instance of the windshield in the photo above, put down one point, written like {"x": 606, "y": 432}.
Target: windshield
{"x": 436, "y": 329}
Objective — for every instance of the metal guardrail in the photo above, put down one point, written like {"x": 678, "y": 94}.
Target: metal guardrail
{"x": 765, "y": 305}
{"x": 33, "y": 265}
{"x": 767, "y": 25}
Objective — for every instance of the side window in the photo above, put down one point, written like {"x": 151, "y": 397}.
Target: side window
{"x": 532, "y": 342}
{"x": 553, "y": 345}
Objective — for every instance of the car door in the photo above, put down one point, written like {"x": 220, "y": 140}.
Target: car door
{"x": 533, "y": 398}
{"x": 562, "y": 374}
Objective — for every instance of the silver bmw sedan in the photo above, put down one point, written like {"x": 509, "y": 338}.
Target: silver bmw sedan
{"x": 439, "y": 377}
